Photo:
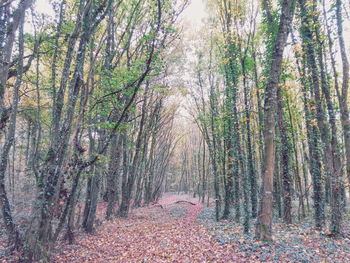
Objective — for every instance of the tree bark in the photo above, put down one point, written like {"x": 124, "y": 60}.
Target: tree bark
{"x": 112, "y": 177}
{"x": 11, "y": 228}
{"x": 285, "y": 162}
{"x": 343, "y": 97}
{"x": 264, "y": 224}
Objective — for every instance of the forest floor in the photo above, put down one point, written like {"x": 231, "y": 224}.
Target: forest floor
{"x": 299, "y": 242}
{"x": 166, "y": 232}
{"x": 173, "y": 231}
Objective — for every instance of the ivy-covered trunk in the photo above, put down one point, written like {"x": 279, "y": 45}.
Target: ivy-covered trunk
{"x": 264, "y": 224}
{"x": 285, "y": 162}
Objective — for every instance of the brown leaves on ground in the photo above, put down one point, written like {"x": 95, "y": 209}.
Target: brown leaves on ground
{"x": 151, "y": 234}
{"x": 172, "y": 231}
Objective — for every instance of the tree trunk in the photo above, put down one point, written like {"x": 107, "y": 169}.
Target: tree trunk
{"x": 231, "y": 166}
{"x": 11, "y": 228}
{"x": 91, "y": 202}
{"x": 264, "y": 224}
{"x": 112, "y": 177}
{"x": 343, "y": 97}
{"x": 297, "y": 163}
{"x": 285, "y": 163}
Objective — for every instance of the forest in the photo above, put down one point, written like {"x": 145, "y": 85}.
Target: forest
{"x": 174, "y": 131}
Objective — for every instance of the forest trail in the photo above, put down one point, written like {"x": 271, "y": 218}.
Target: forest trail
{"x": 152, "y": 234}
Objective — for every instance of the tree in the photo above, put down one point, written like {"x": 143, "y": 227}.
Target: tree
{"x": 264, "y": 224}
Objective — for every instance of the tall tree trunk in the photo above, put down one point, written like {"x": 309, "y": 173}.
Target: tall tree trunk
{"x": 213, "y": 149}
{"x": 285, "y": 162}
{"x": 264, "y": 224}
{"x": 343, "y": 97}
{"x": 297, "y": 163}
{"x": 250, "y": 160}
{"x": 127, "y": 191}
{"x": 231, "y": 164}
{"x": 277, "y": 184}
{"x": 11, "y": 228}
{"x": 204, "y": 183}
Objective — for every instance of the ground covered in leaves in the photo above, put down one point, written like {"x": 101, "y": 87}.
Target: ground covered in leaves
{"x": 173, "y": 231}
{"x": 168, "y": 232}
{"x": 292, "y": 243}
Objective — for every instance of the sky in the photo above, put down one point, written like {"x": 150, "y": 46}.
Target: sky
{"x": 44, "y": 6}
{"x": 195, "y": 13}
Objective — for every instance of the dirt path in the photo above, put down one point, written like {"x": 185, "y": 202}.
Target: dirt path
{"x": 155, "y": 234}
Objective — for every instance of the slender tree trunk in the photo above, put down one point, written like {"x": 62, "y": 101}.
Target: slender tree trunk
{"x": 214, "y": 151}
{"x": 204, "y": 183}
{"x": 285, "y": 162}
{"x": 264, "y": 224}
{"x": 261, "y": 118}
{"x": 127, "y": 192}
{"x": 251, "y": 169}
{"x": 297, "y": 163}
{"x": 231, "y": 166}
{"x": 343, "y": 97}
{"x": 277, "y": 184}
{"x": 11, "y": 228}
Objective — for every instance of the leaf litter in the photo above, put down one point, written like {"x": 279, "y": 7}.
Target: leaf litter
{"x": 186, "y": 232}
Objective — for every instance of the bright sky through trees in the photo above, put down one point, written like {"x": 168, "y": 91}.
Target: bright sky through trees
{"x": 195, "y": 13}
